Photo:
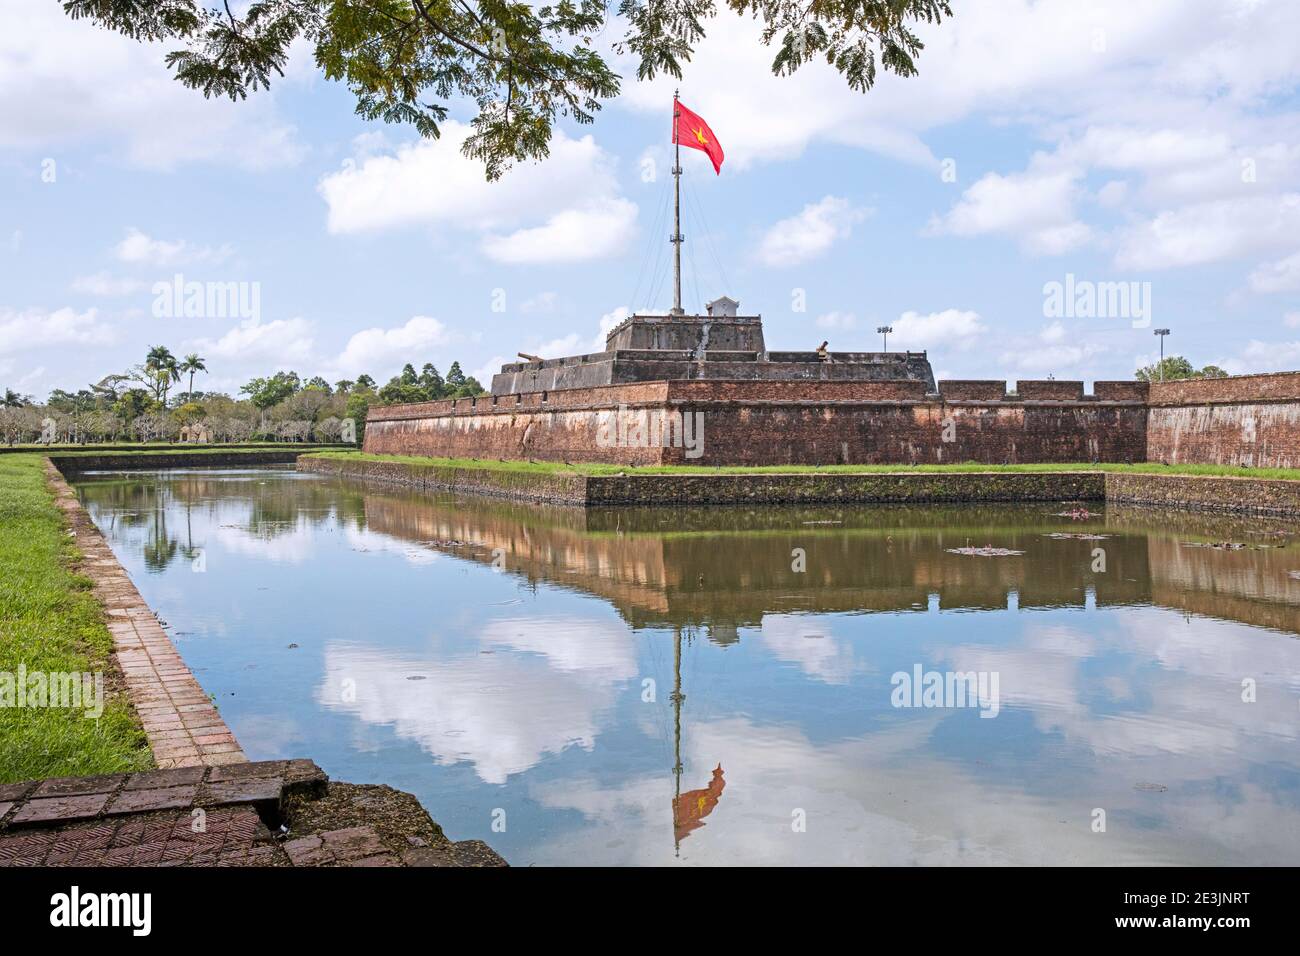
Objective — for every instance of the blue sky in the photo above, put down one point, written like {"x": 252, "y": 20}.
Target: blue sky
{"x": 1136, "y": 142}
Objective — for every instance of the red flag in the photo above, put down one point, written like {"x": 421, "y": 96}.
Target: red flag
{"x": 690, "y": 130}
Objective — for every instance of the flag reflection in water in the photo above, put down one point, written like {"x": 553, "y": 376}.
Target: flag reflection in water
{"x": 689, "y": 808}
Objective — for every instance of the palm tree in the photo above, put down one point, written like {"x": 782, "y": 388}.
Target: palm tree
{"x": 192, "y": 364}
{"x": 162, "y": 364}
{"x": 13, "y": 400}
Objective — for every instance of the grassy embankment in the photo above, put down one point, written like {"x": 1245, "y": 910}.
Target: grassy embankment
{"x": 51, "y": 622}
{"x": 557, "y": 468}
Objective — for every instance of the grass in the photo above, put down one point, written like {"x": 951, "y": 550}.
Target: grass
{"x": 50, "y": 621}
{"x": 561, "y": 468}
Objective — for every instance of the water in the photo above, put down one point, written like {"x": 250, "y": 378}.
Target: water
{"x": 514, "y": 666}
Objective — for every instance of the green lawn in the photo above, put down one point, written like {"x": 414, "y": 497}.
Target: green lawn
{"x": 557, "y": 468}
{"x": 51, "y": 622}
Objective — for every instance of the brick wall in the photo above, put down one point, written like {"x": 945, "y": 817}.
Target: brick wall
{"x": 767, "y": 423}
{"x": 1049, "y": 390}
{"x": 1249, "y": 420}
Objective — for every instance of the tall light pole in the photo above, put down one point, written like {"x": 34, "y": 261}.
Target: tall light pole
{"x": 884, "y": 330}
{"x": 1160, "y": 334}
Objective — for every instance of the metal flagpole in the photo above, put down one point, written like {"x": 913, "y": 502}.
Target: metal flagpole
{"x": 677, "y": 213}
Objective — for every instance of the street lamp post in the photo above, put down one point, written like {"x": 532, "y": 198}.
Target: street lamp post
{"x": 1160, "y": 334}
{"x": 884, "y": 330}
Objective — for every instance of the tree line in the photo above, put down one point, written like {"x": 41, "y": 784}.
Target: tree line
{"x": 145, "y": 404}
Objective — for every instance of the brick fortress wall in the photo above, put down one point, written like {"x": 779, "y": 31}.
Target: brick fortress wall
{"x": 774, "y": 423}
{"x": 1249, "y": 420}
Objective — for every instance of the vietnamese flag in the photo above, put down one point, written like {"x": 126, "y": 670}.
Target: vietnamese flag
{"x": 690, "y": 130}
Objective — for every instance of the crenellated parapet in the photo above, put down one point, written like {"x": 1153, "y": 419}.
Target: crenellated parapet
{"x": 1040, "y": 390}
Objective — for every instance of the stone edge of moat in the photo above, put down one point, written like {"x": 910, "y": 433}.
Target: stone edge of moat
{"x": 180, "y": 721}
{"x": 69, "y": 462}
{"x": 1228, "y": 494}
{"x": 571, "y": 489}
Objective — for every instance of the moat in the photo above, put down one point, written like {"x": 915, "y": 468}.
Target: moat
{"x": 718, "y": 686}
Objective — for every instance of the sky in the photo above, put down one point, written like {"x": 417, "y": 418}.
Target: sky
{"x": 1144, "y": 150}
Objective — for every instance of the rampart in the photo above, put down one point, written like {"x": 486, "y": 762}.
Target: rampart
{"x": 1247, "y": 420}
{"x": 743, "y": 422}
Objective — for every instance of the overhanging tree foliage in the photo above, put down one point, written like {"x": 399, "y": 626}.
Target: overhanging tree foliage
{"x": 521, "y": 65}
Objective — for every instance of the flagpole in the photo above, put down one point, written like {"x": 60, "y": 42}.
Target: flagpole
{"x": 677, "y": 213}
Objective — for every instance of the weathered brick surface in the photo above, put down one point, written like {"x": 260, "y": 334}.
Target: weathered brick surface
{"x": 814, "y": 488}
{"x": 1250, "y": 420}
{"x": 230, "y": 836}
{"x": 1120, "y": 391}
{"x": 993, "y": 390}
{"x": 561, "y": 489}
{"x": 16, "y": 791}
{"x": 73, "y": 786}
{"x": 161, "y": 798}
{"x": 1238, "y": 495}
{"x": 354, "y": 846}
{"x": 48, "y": 809}
{"x": 767, "y": 423}
{"x": 150, "y": 818}
{"x": 902, "y": 486}
{"x": 1049, "y": 390}
{"x": 1269, "y": 387}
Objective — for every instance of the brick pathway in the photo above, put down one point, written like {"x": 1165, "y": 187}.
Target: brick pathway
{"x": 183, "y": 726}
{"x": 198, "y": 816}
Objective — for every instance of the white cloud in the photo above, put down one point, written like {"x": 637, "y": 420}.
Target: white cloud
{"x": 607, "y": 322}
{"x": 1050, "y": 358}
{"x": 1292, "y": 320}
{"x": 1185, "y": 99}
{"x": 566, "y": 208}
{"x": 1113, "y": 193}
{"x": 1260, "y": 356}
{"x": 104, "y": 284}
{"x": 138, "y": 248}
{"x": 951, "y": 329}
{"x": 1036, "y": 206}
{"x": 602, "y": 228}
{"x": 64, "y": 82}
{"x": 377, "y": 348}
{"x": 810, "y": 233}
{"x": 38, "y": 328}
{"x": 286, "y": 341}
{"x": 1210, "y": 232}
{"x": 1053, "y": 334}
{"x": 1280, "y": 276}
{"x": 1048, "y": 353}
{"x": 1028, "y": 61}
{"x": 254, "y": 346}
